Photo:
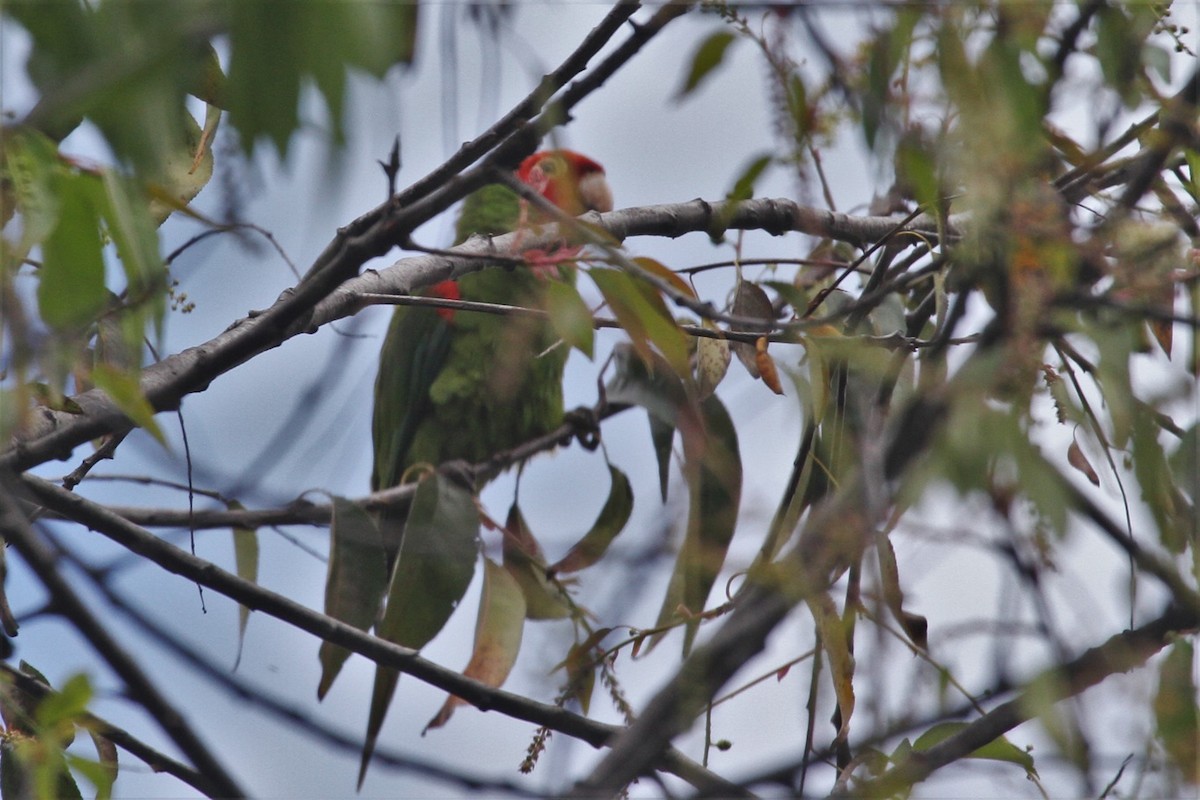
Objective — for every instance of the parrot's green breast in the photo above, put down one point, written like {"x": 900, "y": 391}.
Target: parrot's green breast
{"x": 475, "y": 385}
{"x": 502, "y": 381}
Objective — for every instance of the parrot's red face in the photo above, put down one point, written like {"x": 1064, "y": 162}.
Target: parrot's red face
{"x": 573, "y": 182}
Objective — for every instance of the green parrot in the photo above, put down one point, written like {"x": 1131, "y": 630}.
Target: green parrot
{"x": 455, "y": 385}
{"x": 464, "y": 386}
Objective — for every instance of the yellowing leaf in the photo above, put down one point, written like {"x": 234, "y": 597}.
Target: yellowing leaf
{"x": 644, "y": 316}
{"x": 245, "y": 559}
{"x": 617, "y": 509}
{"x": 662, "y": 271}
{"x": 497, "y": 635}
{"x": 841, "y": 660}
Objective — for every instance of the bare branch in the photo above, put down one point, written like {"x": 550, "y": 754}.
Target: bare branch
{"x": 63, "y": 599}
{"x": 180, "y": 562}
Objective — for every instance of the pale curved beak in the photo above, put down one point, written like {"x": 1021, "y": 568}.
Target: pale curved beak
{"x": 595, "y": 192}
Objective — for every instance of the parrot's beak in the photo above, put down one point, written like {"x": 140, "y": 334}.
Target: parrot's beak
{"x": 595, "y": 192}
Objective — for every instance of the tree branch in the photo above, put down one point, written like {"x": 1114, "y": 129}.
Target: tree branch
{"x": 1120, "y": 653}
{"x": 63, "y": 600}
{"x": 54, "y": 434}
{"x": 180, "y": 562}
{"x": 156, "y": 760}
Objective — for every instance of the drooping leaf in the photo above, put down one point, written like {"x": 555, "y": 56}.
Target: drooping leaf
{"x": 1176, "y": 713}
{"x": 836, "y": 644}
{"x": 1079, "y": 461}
{"x": 665, "y": 273}
{"x": 708, "y": 56}
{"x": 497, "y": 635}
{"x": 581, "y": 674}
{"x": 432, "y": 571}
{"x": 523, "y": 558}
{"x": 644, "y": 316}
{"x": 1156, "y": 481}
{"x": 570, "y": 316}
{"x": 245, "y": 559}
{"x": 71, "y": 281}
{"x": 751, "y": 301}
{"x": 715, "y": 486}
{"x": 613, "y": 517}
{"x": 355, "y": 582}
{"x": 659, "y": 390}
{"x": 126, "y": 392}
{"x": 102, "y": 772}
{"x": 188, "y": 166}
{"x": 712, "y": 361}
{"x": 30, "y": 164}
{"x": 997, "y": 750}
{"x": 915, "y": 625}
{"x": 766, "y": 366}
{"x": 662, "y": 434}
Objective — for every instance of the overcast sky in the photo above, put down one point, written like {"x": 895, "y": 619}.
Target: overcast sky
{"x": 314, "y": 394}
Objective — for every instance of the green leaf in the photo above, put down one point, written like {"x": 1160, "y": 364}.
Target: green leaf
{"x": 523, "y": 558}
{"x": 996, "y": 750}
{"x": 99, "y": 774}
{"x": 66, "y": 704}
{"x": 613, "y": 517}
{"x": 662, "y": 433}
{"x": 708, "y": 56}
{"x": 1175, "y": 710}
{"x": 245, "y": 559}
{"x": 743, "y": 186}
{"x": 715, "y": 486}
{"x": 570, "y": 316}
{"x": 356, "y": 580}
{"x": 30, "y": 164}
{"x": 659, "y": 390}
{"x": 71, "y": 290}
{"x": 434, "y": 565}
{"x": 273, "y": 53}
{"x": 433, "y": 569}
{"x": 644, "y": 316}
{"x": 498, "y": 631}
{"x": 126, "y": 392}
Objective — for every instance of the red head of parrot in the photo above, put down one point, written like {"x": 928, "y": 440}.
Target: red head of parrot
{"x": 569, "y": 180}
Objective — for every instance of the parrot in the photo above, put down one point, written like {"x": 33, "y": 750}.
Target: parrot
{"x": 462, "y": 386}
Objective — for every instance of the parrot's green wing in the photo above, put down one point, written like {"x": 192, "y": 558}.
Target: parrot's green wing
{"x": 413, "y": 355}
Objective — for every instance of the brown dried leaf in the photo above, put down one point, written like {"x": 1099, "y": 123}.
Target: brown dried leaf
{"x": 1079, "y": 461}
{"x": 766, "y": 366}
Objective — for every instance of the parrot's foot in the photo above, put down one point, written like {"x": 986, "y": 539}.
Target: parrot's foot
{"x": 546, "y": 263}
{"x": 585, "y": 427}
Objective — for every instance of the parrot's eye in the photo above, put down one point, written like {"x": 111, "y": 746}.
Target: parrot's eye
{"x": 549, "y": 166}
